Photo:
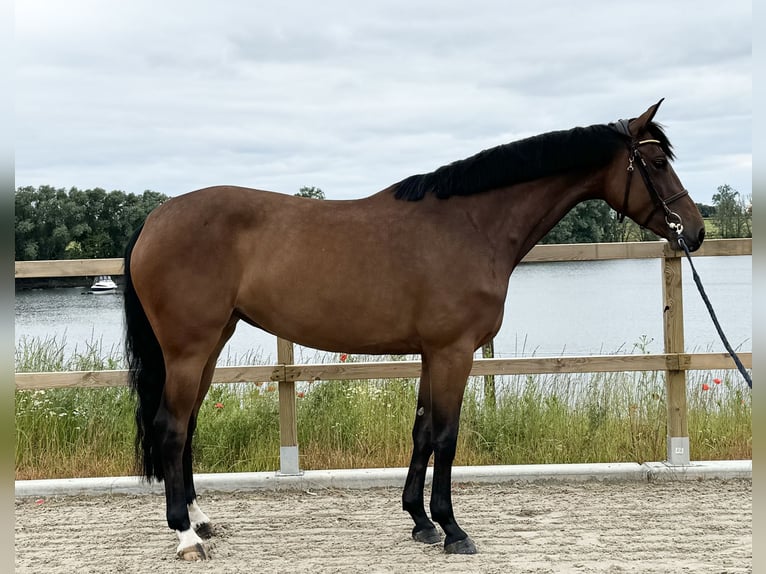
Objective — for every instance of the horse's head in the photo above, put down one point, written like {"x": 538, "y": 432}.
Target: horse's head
{"x": 655, "y": 199}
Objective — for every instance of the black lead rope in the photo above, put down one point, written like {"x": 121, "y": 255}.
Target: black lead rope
{"x": 726, "y": 344}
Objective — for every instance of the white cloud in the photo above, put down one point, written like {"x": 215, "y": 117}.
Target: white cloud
{"x": 172, "y": 96}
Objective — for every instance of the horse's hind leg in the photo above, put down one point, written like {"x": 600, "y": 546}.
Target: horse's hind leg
{"x": 181, "y": 397}
{"x": 199, "y": 520}
{"x": 172, "y": 424}
{"x": 422, "y": 447}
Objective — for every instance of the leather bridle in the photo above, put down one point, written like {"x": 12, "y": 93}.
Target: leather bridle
{"x": 635, "y": 159}
{"x": 672, "y": 219}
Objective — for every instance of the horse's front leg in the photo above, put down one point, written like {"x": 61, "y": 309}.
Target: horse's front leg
{"x": 449, "y": 371}
{"x": 422, "y": 447}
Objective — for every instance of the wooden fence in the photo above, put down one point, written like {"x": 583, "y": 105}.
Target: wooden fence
{"x": 674, "y": 361}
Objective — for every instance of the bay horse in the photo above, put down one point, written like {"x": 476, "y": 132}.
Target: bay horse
{"x": 421, "y": 267}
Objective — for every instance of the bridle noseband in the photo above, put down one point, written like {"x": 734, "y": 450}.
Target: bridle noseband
{"x": 671, "y": 217}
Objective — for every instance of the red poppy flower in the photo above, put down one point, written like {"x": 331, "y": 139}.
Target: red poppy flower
{"x": 300, "y": 394}
{"x": 717, "y": 381}
{"x": 705, "y": 387}
{"x": 219, "y": 405}
{"x": 343, "y": 357}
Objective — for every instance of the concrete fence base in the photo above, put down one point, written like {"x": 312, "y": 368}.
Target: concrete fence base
{"x": 394, "y": 477}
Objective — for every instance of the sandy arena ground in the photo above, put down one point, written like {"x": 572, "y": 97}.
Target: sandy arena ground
{"x": 668, "y": 527}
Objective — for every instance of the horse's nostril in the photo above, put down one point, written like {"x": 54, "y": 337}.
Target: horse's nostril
{"x": 701, "y": 235}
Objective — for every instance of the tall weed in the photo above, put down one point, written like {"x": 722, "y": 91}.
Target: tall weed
{"x": 557, "y": 418}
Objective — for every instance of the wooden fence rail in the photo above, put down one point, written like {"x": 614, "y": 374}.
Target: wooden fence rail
{"x": 674, "y": 361}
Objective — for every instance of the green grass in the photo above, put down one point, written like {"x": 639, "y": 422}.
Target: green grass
{"x": 712, "y": 231}
{"x": 605, "y": 417}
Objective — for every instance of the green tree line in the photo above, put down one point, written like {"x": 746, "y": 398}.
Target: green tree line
{"x": 730, "y": 216}
{"x": 56, "y": 223}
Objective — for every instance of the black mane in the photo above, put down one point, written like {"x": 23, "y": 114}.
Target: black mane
{"x": 524, "y": 160}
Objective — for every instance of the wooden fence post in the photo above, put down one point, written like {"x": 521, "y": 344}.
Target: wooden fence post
{"x": 675, "y": 380}
{"x": 288, "y": 424}
{"x": 490, "y": 393}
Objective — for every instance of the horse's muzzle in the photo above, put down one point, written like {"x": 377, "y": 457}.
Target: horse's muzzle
{"x": 693, "y": 243}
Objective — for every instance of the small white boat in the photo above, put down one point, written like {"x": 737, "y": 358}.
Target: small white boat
{"x": 103, "y": 284}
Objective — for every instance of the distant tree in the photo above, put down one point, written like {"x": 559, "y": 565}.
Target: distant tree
{"x": 588, "y": 222}
{"x": 705, "y": 210}
{"x": 629, "y": 230}
{"x": 26, "y": 240}
{"x": 311, "y": 192}
{"x": 746, "y": 208}
{"x": 731, "y": 213}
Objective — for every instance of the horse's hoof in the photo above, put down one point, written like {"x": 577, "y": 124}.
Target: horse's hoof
{"x": 205, "y": 531}
{"x": 464, "y": 546}
{"x": 427, "y": 536}
{"x": 194, "y": 553}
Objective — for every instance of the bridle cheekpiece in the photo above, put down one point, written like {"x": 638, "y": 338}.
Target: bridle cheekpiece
{"x": 635, "y": 159}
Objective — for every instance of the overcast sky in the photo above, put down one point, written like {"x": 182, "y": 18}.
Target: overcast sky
{"x": 353, "y": 96}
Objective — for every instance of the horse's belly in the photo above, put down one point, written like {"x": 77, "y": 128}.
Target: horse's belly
{"x": 339, "y": 327}
{"x": 390, "y": 322}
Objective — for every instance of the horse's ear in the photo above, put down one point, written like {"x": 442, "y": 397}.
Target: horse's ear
{"x": 639, "y": 124}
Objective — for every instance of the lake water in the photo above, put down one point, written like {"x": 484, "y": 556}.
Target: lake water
{"x": 552, "y": 309}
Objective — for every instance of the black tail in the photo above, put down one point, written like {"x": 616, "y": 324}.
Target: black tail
{"x": 146, "y": 367}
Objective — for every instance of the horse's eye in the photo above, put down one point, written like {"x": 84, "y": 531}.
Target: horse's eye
{"x": 660, "y": 162}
